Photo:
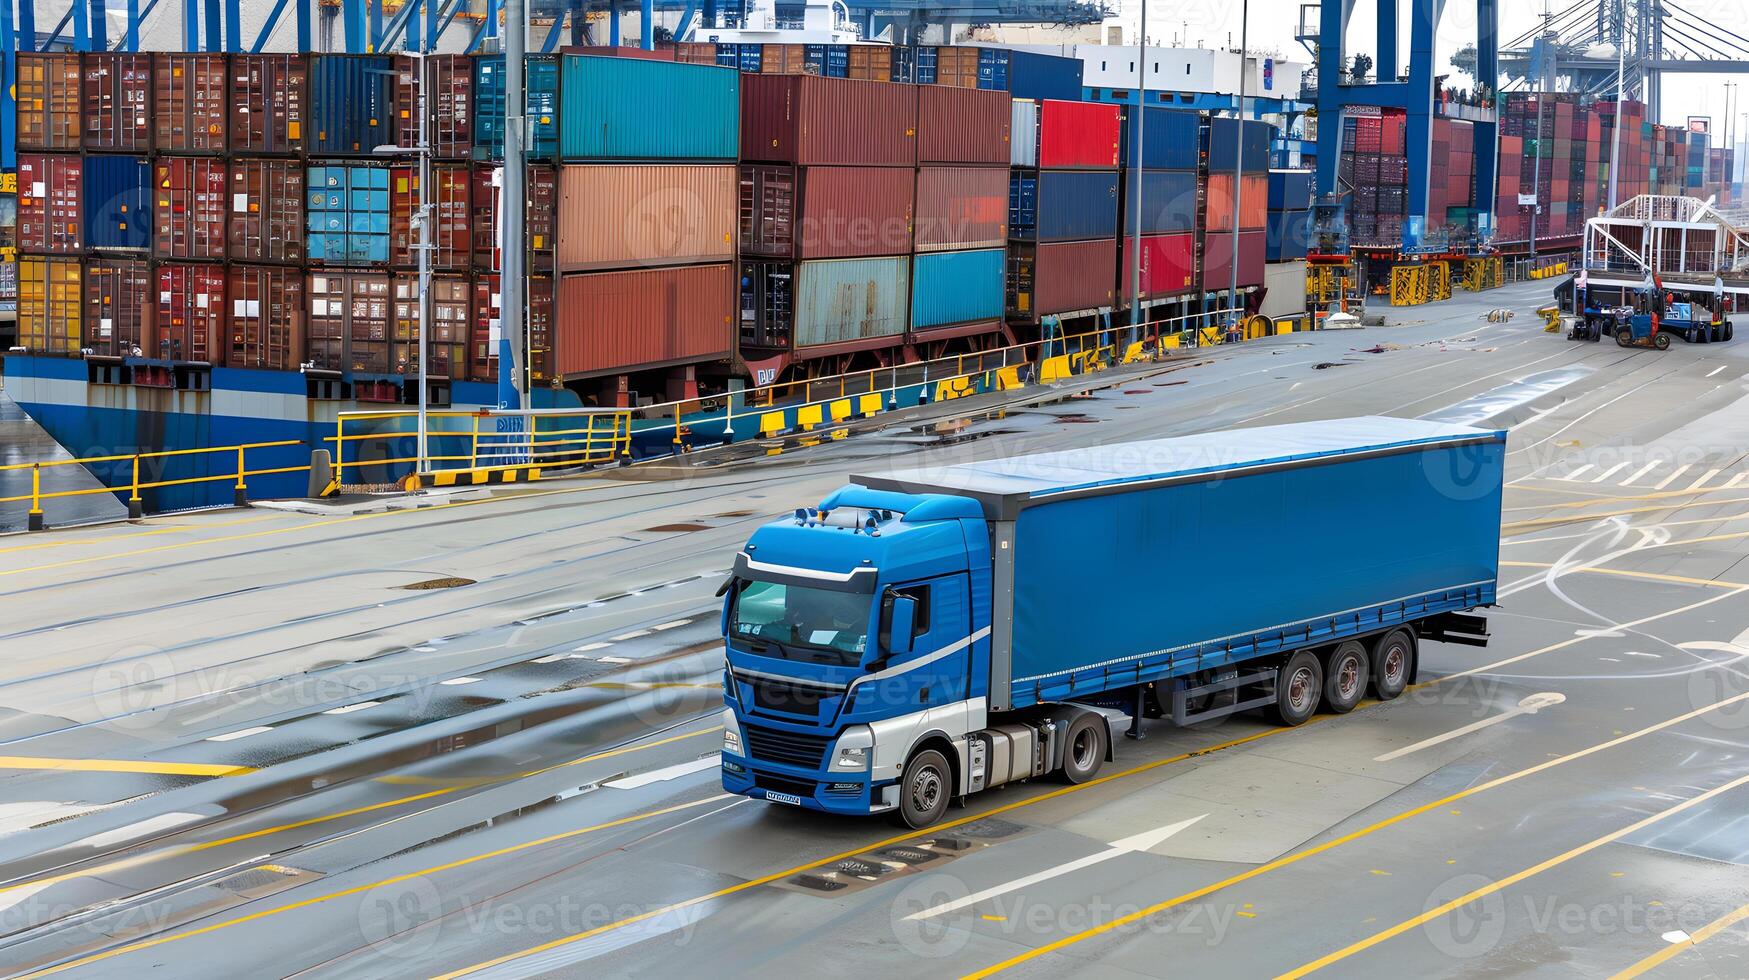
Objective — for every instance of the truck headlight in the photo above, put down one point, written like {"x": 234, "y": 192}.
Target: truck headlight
{"x": 855, "y": 749}
{"x": 852, "y": 757}
{"x": 731, "y": 733}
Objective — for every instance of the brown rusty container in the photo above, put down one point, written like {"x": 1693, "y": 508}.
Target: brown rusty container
{"x": 265, "y": 325}
{"x": 266, "y": 205}
{"x": 825, "y": 212}
{"x": 785, "y": 59}
{"x": 117, "y": 94}
{"x": 1060, "y": 277}
{"x": 446, "y": 335}
{"x": 269, "y": 100}
{"x": 449, "y": 100}
{"x": 871, "y": 62}
{"x": 956, "y": 67}
{"x": 349, "y": 321}
{"x": 619, "y": 216}
{"x": 190, "y": 198}
{"x": 191, "y": 102}
{"x": 51, "y": 203}
{"x": 962, "y": 125}
{"x": 50, "y": 302}
{"x": 694, "y": 53}
{"x": 961, "y": 208}
{"x": 542, "y": 200}
{"x": 613, "y": 322}
{"x": 810, "y": 120}
{"x": 48, "y": 99}
{"x": 451, "y": 199}
{"x": 191, "y": 312}
{"x": 117, "y": 318}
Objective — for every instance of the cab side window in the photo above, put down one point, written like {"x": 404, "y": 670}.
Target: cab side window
{"x": 919, "y": 624}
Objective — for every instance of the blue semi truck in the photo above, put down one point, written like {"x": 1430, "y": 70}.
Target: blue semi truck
{"x": 923, "y": 635}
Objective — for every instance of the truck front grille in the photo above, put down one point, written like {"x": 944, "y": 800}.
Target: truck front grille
{"x": 794, "y": 787}
{"x": 807, "y": 751}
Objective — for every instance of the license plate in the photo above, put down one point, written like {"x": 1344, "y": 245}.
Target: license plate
{"x": 783, "y": 798}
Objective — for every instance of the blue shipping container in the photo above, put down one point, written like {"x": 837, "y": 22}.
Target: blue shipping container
{"x": 1062, "y": 205}
{"x": 1168, "y": 202}
{"x": 1290, "y": 190}
{"x": 118, "y": 202}
{"x": 608, "y": 115}
{"x": 1222, "y": 151}
{"x": 350, "y": 103}
{"x": 1290, "y": 235}
{"x": 1169, "y": 139}
{"x": 914, "y": 64}
{"x": 540, "y": 96}
{"x": 957, "y": 287}
{"x": 1029, "y": 75}
{"x": 347, "y": 215}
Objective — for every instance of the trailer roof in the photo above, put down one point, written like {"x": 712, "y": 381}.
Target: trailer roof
{"x": 1015, "y": 479}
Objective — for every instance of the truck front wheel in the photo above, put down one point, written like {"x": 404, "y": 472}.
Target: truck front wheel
{"x": 924, "y": 789}
{"x": 1084, "y": 752}
{"x": 1299, "y": 686}
{"x": 1393, "y": 659}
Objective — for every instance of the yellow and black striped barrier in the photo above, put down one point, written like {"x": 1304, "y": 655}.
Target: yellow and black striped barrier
{"x": 485, "y": 476}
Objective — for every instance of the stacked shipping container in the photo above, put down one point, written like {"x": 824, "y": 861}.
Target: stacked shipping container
{"x": 1242, "y": 149}
{"x": 1062, "y": 208}
{"x": 1290, "y": 214}
{"x": 963, "y": 148}
{"x": 1162, "y": 170}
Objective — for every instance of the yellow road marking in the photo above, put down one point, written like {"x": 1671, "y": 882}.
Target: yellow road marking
{"x": 1512, "y": 879}
{"x": 1598, "y": 515}
{"x": 172, "y": 529}
{"x": 1652, "y": 576}
{"x": 360, "y": 889}
{"x": 1673, "y": 950}
{"x": 1298, "y": 856}
{"x": 124, "y": 765}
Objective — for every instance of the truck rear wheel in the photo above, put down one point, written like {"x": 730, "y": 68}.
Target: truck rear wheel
{"x": 1084, "y": 749}
{"x": 924, "y": 789}
{"x": 1299, "y": 686}
{"x": 1393, "y": 661}
{"x": 1345, "y": 675}
{"x": 1661, "y": 341}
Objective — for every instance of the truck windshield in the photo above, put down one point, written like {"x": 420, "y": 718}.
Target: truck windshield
{"x": 801, "y": 623}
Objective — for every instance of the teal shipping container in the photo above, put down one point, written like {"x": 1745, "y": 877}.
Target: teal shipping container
{"x": 953, "y": 288}
{"x": 540, "y": 96}
{"x": 611, "y": 110}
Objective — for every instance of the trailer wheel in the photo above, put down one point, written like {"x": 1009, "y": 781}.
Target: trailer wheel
{"x": 1661, "y": 341}
{"x": 1299, "y": 686}
{"x": 1393, "y": 662}
{"x": 1345, "y": 674}
{"x": 924, "y": 790}
{"x": 1084, "y": 750}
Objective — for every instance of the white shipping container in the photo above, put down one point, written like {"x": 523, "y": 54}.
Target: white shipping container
{"x": 1023, "y": 133}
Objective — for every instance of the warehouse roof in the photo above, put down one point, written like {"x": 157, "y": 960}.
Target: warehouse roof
{"x": 1080, "y": 470}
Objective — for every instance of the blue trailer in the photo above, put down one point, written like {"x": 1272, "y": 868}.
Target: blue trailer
{"x": 923, "y": 635}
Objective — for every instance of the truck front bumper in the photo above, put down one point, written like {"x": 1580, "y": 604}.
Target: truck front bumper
{"x": 828, "y": 792}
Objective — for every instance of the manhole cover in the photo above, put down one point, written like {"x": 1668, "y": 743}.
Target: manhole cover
{"x": 677, "y": 528}
{"x": 440, "y": 583}
{"x": 818, "y": 883}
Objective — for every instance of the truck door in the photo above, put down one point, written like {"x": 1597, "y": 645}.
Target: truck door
{"x": 938, "y": 668}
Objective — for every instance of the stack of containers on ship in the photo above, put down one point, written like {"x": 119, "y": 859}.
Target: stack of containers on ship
{"x": 827, "y": 194}
{"x": 1451, "y": 215}
{"x": 1238, "y": 176}
{"x": 1290, "y": 215}
{"x": 1062, "y": 212}
{"x": 646, "y": 230}
{"x": 1375, "y": 163}
{"x": 1166, "y": 186}
{"x": 485, "y": 146}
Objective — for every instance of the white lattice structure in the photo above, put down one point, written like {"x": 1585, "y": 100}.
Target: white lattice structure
{"x": 1677, "y": 239}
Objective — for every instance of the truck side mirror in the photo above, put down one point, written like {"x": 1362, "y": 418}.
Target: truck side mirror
{"x": 727, "y": 591}
{"x": 899, "y": 623}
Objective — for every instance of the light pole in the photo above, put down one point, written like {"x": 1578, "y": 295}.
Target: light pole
{"x": 1239, "y": 159}
{"x": 422, "y": 220}
{"x": 1621, "y": 84}
{"x": 1136, "y": 175}
{"x": 512, "y": 207}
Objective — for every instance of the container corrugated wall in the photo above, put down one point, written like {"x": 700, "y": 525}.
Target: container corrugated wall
{"x": 190, "y": 208}
{"x": 190, "y": 311}
{"x": 1170, "y": 138}
{"x": 845, "y": 301}
{"x": 351, "y": 103}
{"x": 117, "y": 100}
{"x": 956, "y": 125}
{"x": 446, "y": 332}
{"x": 51, "y": 203}
{"x": 1169, "y": 202}
{"x": 609, "y": 112}
{"x": 118, "y": 323}
{"x": 267, "y": 211}
{"x": 269, "y": 103}
{"x": 615, "y": 216}
{"x": 950, "y": 288}
{"x": 1253, "y": 202}
{"x": 449, "y": 104}
{"x": 540, "y": 93}
{"x": 808, "y": 120}
{"x": 1062, "y": 205}
{"x": 1168, "y": 266}
{"x": 1224, "y": 141}
{"x": 48, "y": 101}
{"x": 1217, "y": 258}
{"x": 348, "y": 216}
{"x": 1061, "y": 277}
{"x": 118, "y": 202}
{"x": 266, "y": 325}
{"x": 1023, "y": 133}
{"x": 451, "y": 199}
{"x": 349, "y": 321}
{"x": 51, "y": 300}
{"x": 1077, "y": 136}
{"x": 192, "y": 103}
{"x": 610, "y": 322}
{"x": 825, "y": 212}
{"x": 961, "y": 208}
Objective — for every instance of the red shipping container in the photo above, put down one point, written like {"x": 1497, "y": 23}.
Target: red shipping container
{"x": 537, "y": 325}
{"x": 117, "y": 322}
{"x": 1392, "y": 133}
{"x": 51, "y": 203}
{"x": 267, "y": 211}
{"x": 117, "y": 91}
{"x": 192, "y": 102}
{"x": 813, "y": 120}
{"x": 191, "y": 312}
{"x": 825, "y": 212}
{"x": 612, "y": 322}
{"x": 48, "y": 100}
{"x": 268, "y": 102}
{"x": 446, "y": 333}
{"x": 1217, "y": 259}
{"x": 1253, "y": 202}
{"x": 961, "y": 208}
{"x": 1168, "y": 266}
{"x": 624, "y": 216}
{"x": 541, "y": 195}
{"x": 452, "y": 203}
{"x": 1060, "y": 277}
{"x": 449, "y": 100}
{"x": 265, "y": 326}
{"x": 188, "y": 207}
{"x": 1077, "y": 135}
{"x": 962, "y": 125}
{"x": 349, "y": 324}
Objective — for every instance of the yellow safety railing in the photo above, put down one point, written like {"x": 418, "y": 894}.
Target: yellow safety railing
{"x": 239, "y": 476}
{"x": 482, "y": 440}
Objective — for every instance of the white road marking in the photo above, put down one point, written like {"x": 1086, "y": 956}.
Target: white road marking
{"x": 1696, "y": 485}
{"x": 1738, "y": 646}
{"x": 240, "y": 733}
{"x": 1606, "y": 474}
{"x": 663, "y": 775}
{"x": 1733, "y": 481}
{"x": 1575, "y": 474}
{"x": 613, "y": 660}
{"x": 634, "y": 634}
{"x": 585, "y": 648}
{"x": 458, "y": 681}
{"x": 1642, "y": 471}
{"x": 668, "y": 626}
{"x": 1117, "y": 848}
{"x": 1715, "y": 370}
{"x": 1684, "y": 468}
{"x": 1529, "y": 706}
{"x": 1675, "y": 935}
{"x": 350, "y": 708}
